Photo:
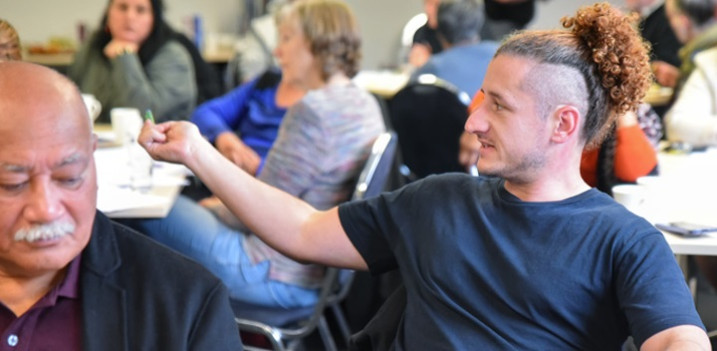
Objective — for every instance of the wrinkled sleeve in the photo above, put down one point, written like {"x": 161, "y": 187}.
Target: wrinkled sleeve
{"x": 166, "y": 85}
{"x": 224, "y": 113}
{"x": 651, "y": 288}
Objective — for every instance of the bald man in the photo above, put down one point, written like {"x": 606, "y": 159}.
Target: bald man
{"x": 70, "y": 278}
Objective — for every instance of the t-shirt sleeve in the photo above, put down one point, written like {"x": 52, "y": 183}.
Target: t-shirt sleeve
{"x": 651, "y": 288}
{"x": 364, "y": 223}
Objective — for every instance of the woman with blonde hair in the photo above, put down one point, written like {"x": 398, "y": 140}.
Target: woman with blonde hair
{"x": 321, "y": 147}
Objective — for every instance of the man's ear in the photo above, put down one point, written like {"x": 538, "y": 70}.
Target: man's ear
{"x": 566, "y": 122}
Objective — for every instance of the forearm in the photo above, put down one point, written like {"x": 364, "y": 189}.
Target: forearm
{"x": 683, "y": 337}
{"x": 283, "y": 221}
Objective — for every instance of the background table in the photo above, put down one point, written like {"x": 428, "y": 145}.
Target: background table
{"x": 117, "y": 199}
{"x": 686, "y": 190}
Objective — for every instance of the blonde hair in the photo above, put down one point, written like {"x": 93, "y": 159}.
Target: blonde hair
{"x": 332, "y": 32}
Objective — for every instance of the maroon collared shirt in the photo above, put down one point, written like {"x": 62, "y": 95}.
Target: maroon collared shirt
{"x": 53, "y": 323}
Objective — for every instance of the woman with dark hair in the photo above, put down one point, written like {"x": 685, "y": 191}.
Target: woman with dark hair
{"x": 135, "y": 60}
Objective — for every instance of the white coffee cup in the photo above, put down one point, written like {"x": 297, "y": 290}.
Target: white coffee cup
{"x": 126, "y": 123}
{"x": 631, "y": 196}
{"x": 94, "y": 107}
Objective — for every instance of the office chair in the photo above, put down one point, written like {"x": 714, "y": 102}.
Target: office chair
{"x": 428, "y": 116}
{"x": 286, "y": 328}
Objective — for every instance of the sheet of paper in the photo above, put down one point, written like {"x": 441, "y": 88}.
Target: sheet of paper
{"x": 112, "y": 198}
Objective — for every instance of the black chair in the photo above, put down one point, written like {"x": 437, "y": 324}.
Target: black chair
{"x": 428, "y": 116}
{"x": 285, "y": 328}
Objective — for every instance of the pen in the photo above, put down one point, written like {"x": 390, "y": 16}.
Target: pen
{"x": 148, "y": 116}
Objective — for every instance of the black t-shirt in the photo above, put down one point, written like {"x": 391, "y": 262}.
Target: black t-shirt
{"x": 481, "y": 267}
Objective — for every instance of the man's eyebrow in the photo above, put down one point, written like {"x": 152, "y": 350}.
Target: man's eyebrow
{"x": 69, "y": 160}
{"x": 72, "y": 159}
{"x": 498, "y": 96}
{"x": 14, "y": 168}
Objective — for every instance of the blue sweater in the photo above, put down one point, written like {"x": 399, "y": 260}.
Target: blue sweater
{"x": 249, "y": 110}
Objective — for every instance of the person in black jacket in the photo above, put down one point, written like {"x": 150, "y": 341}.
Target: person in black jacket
{"x": 68, "y": 275}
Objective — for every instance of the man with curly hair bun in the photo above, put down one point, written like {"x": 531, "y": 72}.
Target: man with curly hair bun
{"x": 529, "y": 259}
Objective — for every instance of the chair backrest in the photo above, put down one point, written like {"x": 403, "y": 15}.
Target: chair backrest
{"x": 428, "y": 116}
{"x": 377, "y": 168}
{"x": 280, "y": 325}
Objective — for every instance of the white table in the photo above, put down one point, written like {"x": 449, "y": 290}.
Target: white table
{"x": 118, "y": 200}
{"x": 383, "y": 83}
{"x": 686, "y": 191}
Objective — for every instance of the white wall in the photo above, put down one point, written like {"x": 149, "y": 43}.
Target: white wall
{"x": 37, "y": 20}
{"x": 381, "y": 21}
{"x": 550, "y": 12}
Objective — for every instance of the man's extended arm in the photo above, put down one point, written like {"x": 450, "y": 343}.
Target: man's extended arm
{"x": 286, "y": 223}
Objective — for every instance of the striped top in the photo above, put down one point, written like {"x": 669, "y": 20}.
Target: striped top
{"x": 322, "y": 145}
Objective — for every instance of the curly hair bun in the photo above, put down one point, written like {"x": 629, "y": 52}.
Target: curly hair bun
{"x": 618, "y": 51}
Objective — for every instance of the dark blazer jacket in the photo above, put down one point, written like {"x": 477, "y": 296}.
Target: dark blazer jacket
{"x": 139, "y": 295}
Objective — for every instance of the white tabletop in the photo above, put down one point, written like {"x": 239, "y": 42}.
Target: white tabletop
{"x": 383, "y": 83}
{"x": 686, "y": 191}
{"x": 117, "y": 199}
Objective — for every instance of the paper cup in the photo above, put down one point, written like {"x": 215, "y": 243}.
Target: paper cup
{"x": 126, "y": 123}
{"x": 629, "y": 195}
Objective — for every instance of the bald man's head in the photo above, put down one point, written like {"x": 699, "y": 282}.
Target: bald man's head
{"x": 48, "y": 183}
{"x": 33, "y": 94}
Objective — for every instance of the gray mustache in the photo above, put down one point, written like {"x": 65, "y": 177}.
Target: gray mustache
{"x": 44, "y": 231}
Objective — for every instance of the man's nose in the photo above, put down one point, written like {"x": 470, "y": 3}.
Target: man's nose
{"x": 476, "y": 122}
{"x": 44, "y": 203}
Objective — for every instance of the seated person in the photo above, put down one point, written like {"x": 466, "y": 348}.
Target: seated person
{"x": 465, "y": 57}
{"x": 70, "y": 278}
{"x": 243, "y": 123}
{"x": 425, "y": 40}
{"x": 693, "y": 22}
{"x": 530, "y": 258}
{"x": 323, "y": 142}
{"x": 655, "y": 28}
{"x": 9, "y": 42}
{"x": 693, "y": 117}
{"x": 501, "y": 18}
{"x": 134, "y": 60}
